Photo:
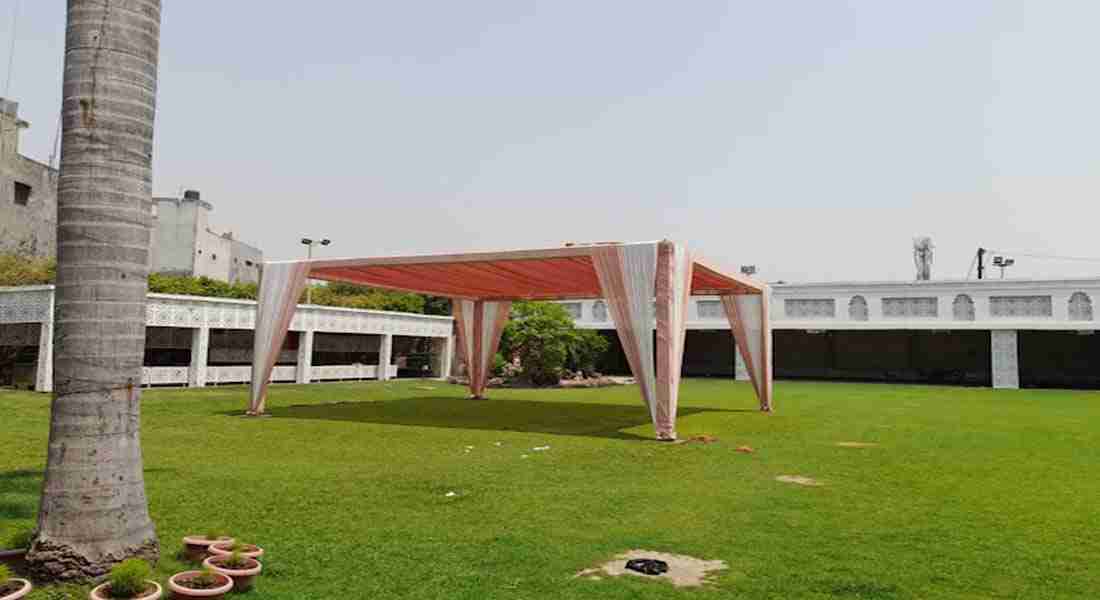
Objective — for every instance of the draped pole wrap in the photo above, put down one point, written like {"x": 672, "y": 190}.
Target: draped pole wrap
{"x": 281, "y": 285}
{"x": 628, "y": 281}
{"x": 674, "y": 271}
{"x": 480, "y": 325}
{"x": 748, "y": 318}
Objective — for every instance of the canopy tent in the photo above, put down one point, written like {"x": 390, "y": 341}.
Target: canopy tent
{"x": 483, "y": 285}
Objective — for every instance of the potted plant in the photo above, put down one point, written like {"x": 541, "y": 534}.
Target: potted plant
{"x": 200, "y": 584}
{"x": 17, "y": 546}
{"x": 128, "y": 580}
{"x": 227, "y": 548}
{"x": 12, "y": 588}
{"x": 197, "y": 547}
{"x": 242, "y": 569}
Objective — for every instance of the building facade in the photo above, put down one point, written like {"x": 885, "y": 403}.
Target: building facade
{"x": 197, "y": 341}
{"x": 182, "y": 241}
{"x": 185, "y": 243}
{"x": 1002, "y": 334}
{"x": 28, "y": 193}
{"x": 999, "y": 333}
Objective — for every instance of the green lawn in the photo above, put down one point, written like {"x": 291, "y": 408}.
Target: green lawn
{"x": 970, "y": 493}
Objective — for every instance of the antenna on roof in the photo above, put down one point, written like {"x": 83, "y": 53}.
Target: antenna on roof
{"x": 922, "y": 257}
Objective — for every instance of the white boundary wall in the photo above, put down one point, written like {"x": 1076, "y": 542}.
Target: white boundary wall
{"x": 34, "y": 304}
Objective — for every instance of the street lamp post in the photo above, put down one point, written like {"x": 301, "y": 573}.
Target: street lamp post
{"x": 309, "y": 244}
{"x": 1003, "y": 262}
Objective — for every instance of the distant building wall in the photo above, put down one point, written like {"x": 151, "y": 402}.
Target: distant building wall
{"x": 28, "y": 193}
{"x": 175, "y": 235}
{"x": 186, "y": 244}
{"x": 246, "y": 261}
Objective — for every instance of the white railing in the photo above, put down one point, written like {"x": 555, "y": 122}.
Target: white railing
{"x": 243, "y": 374}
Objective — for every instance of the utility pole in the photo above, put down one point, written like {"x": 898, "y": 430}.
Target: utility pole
{"x": 981, "y": 262}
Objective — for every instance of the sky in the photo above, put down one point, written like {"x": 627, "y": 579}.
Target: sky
{"x": 813, "y": 139}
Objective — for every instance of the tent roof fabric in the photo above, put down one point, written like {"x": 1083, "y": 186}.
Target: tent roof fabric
{"x": 544, "y": 274}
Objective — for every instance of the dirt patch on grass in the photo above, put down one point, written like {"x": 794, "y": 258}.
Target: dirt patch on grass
{"x": 799, "y": 480}
{"x": 683, "y": 571}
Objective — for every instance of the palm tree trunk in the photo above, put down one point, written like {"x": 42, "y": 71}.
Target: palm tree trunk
{"x": 93, "y": 511}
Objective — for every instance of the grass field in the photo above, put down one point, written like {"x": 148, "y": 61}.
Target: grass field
{"x": 969, "y": 493}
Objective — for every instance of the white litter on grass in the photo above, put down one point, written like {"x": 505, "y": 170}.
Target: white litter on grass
{"x": 469, "y": 447}
{"x": 540, "y": 448}
{"x": 451, "y": 494}
{"x": 523, "y": 455}
{"x": 497, "y": 444}
{"x": 798, "y": 479}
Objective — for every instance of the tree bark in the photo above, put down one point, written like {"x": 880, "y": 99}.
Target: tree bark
{"x": 93, "y": 511}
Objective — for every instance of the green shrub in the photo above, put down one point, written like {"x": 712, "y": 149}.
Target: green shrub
{"x": 544, "y": 338}
{"x": 214, "y": 534}
{"x": 499, "y": 364}
{"x": 16, "y": 269}
{"x": 128, "y": 578}
{"x": 586, "y": 349}
{"x": 5, "y": 575}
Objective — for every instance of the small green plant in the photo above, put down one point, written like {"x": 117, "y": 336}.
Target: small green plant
{"x": 21, "y": 539}
{"x": 236, "y": 560}
{"x": 5, "y": 575}
{"x": 206, "y": 579}
{"x": 214, "y": 534}
{"x": 128, "y": 578}
{"x": 238, "y": 546}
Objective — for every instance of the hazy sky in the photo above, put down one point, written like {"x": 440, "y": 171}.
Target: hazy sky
{"x": 812, "y": 138}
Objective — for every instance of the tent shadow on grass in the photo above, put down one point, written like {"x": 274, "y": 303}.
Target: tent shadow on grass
{"x": 528, "y": 416}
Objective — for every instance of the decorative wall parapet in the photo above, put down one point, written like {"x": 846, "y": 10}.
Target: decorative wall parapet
{"x": 926, "y": 305}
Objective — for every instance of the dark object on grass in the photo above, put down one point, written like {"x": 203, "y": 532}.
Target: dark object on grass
{"x": 647, "y": 566}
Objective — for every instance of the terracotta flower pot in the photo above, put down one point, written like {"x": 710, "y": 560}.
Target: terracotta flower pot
{"x": 182, "y": 591}
{"x": 23, "y": 590}
{"x": 197, "y": 547}
{"x": 100, "y": 592}
{"x": 243, "y": 578}
{"x": 225, "y": 549}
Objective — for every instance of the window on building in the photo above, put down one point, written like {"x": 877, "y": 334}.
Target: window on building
{"x": 709, "y": 309}
{"x": 248, "y": 263}
{"x": 573, "y": 308}
{"x": 22, "y": 193}
{"x": 213, "y": 257}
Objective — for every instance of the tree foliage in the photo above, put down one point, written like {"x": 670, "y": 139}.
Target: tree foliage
{"x": 542, "y": 335}
{"x": 349, "y": 295}
{"x": 18, "y": 270}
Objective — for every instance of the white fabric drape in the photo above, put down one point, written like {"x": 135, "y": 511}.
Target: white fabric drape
{"x": 748, "y": 318}
{"x": 280, "y": 286}
{"x": 631, "y": 276}
{"x": 480, "y": 325}
{"x": 674, "y": 272}
{"x": 628, "y": 277}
